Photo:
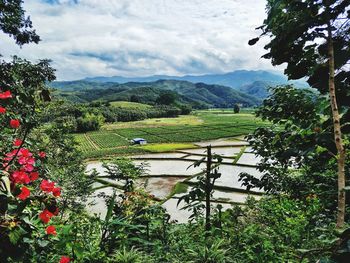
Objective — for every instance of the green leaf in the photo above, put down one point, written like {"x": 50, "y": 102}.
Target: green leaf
{"x": 110, "y": 207}
{"x": 16, "y": 234}
{"x": 5, "y": 185}
{"x": 43, "y": 243}
{"x": 326, "y": 260}
{"x": 79, "y": 251}
{"x": 28, "y": 240}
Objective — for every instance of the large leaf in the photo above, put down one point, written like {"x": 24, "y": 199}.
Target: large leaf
{"x": 110, "y": 207}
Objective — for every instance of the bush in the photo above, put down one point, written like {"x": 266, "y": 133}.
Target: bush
{"x": 90, "y": 122}
{"x": 236, "y": 108}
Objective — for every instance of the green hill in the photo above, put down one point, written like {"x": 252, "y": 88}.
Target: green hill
{"x": 196, "y": 94}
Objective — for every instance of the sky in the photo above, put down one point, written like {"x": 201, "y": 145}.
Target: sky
{"x": 86, "y": 38}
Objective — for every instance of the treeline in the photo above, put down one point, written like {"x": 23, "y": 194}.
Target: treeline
{"x": 82, "y": 117}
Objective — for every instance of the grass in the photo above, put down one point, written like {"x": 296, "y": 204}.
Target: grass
{"x": 180, "y": 188}
{"x": 181, "y": 120}
{"x": 130, "y": 105}
{"x": 167, "y": 134}
{"x": 239, "y": 155}
{"x": 167, "y": 147}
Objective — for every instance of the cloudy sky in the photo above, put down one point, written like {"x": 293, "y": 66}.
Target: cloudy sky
{"x": 143, "y": 37}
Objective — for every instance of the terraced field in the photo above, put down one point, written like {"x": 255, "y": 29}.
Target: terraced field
{"x": 114, "y": 139}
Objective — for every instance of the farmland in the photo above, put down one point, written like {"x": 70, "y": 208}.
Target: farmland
{"x": 164, "y": 134}
{"x": 130, "y": 105}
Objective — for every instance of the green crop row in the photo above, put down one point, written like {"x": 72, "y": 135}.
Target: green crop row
{"x": 84, "y": 145}
{"x": 107, "y": 140}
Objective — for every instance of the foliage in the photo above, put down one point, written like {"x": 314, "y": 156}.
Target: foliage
{"x": 236, "y": 108}
{"x": 23, "y": 198}
{"x": 14, "y": 23}
{"x": 315, "y": 44}
{"x": 211, "y": 253}
{"x": 199, "y": 197}
{"x": 89, "y": 122}
{"x": 166, "y": 98}
{"x": 66, "y": 168}
{"x": 30, "y": 200}
{"x": 297, "y": 153}
{"x": 304, "y": 48}
{"x": 90, "y": 117}
{"x": 196, "y": 95}
{"x": 273, "y": 229}
{"x": 129, "y": 256}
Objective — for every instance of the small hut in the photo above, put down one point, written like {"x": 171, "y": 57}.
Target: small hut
{"x": 139, "y": 141}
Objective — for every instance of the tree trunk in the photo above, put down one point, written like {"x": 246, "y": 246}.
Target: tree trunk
{"x": 208, "y": 190}
{"x": 337, "y": 133}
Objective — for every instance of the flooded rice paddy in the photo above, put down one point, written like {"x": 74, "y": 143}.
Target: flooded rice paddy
{"x": 165, "y": 170}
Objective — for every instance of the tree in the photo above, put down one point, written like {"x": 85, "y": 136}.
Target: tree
{"x": 300, "y": 138}
{"x": 28, "y": 197}
{"x": 204, "y": 187}
{"x": 166, "y": 98}
{"x": 236, "y": 108}
{"x": 312, "y": 37}
{"x": 135, "y": 98}
{"x": 14, "y": 22}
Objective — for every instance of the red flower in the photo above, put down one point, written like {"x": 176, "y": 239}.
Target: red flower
{"x": 5, "y": 95}
{"x": 65, "y": 259}
{"x": 51, "y": 230}
{"x": 17, "y": 142}
{"x": 33, "y": 176}
{"x": 25, "y": 193}
{"x": 28, "y": 167}
{"x": 45, "y": 216}
{"x": 22, "y": 160}
{"x": 20, "y": 177}
{"x": 42, "y": 154}
{"x": 14, "y": 123}
{"x": 47, "y": 186}
{"x": 56, "y": 191}
{"x": 25, "y": 152}
{"x": 2, "y": 110}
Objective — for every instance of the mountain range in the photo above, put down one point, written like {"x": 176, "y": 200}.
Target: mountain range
{"x": 198, "y": 95}
{"x": 248, "y": 88}
{"x": 234, "y": 79}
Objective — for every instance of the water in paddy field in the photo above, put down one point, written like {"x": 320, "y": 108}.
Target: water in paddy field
{"x": 165, "y": 170}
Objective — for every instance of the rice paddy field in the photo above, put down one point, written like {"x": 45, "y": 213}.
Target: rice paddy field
{"x": 166, "y": 134}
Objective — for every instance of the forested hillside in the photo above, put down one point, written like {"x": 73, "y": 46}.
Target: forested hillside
{"x": 198, "y": 95}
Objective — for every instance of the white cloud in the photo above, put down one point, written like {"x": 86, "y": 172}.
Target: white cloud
{"x": 144, "y": 37}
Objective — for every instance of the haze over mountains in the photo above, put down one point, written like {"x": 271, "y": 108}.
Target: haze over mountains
{"x": 211, "y": 90}
{"x": 234, "y": 79}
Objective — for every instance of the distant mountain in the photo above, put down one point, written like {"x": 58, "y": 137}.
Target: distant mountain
{"x": 257, "y": 88}
{"x": 196, "y": 94}
{"x": 252, "y": 82}
{"x": 234, "y": 79}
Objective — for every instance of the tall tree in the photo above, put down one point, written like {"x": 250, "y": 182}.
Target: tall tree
{"x": 14, "y": 22}
{"x": 312, "y": 37}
